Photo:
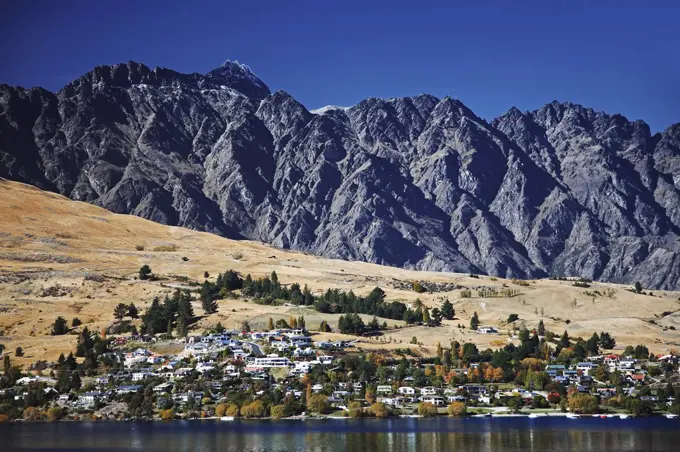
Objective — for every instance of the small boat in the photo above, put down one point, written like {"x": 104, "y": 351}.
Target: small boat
{"x": 573, "y": 416}
{"x": 227, "y": 418}
{"x": 671, "y": 416}
{"x": 603, "y": 417}
{"x": 533, "y": 416}
{"x": 623, "y": 416}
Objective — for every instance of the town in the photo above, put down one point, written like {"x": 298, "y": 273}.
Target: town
{"x": 284, "y": 370}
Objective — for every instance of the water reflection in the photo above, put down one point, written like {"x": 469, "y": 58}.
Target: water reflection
{"x": 398, "y": 435}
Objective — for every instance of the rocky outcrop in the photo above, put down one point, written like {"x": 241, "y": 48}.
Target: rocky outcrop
{"x": 417, "y": 182}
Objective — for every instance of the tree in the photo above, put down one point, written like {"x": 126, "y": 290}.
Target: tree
{"x": 324, "y": 327}
{"x": 512, "y": 318}
{"x": 457, "y": 409}
{"x": 120, "y": 311}
{"x": 379, "y": 410}
{"x": 426, "y": 409}
{"x": 474, "y": 321}
{"x": 278, "y": 411}
{"x": 145, "y": 272}
{"x": 219, "y": 329}
{"x": 19, "y": 352}
{"x": 638, "y": 287}
{"x": 583, "y": 403}
{"x": 209, "y": 305}
{"x": 182, "y": 328}
{"x": 355, "y": 409}
{"x": 436, "y": 317}
{"x": 76, "y": 322}
{"x": 245, "y": 326}
{"x": 447, "y": 310}
{"x": 206, "y": 274}
{"x": 541, "y": 328}
{"x": 564, "y": 340}
{"x": 607, "y": 341}
{"x": 132, "y": 311}
{"x": 270, "y": 324}
{"x": 59, "y": 327}
{"x": 318, "y": 403}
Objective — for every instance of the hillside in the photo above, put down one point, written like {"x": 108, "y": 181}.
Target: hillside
{"x": 47, "y": 240}
{"x": 416, "y": 182}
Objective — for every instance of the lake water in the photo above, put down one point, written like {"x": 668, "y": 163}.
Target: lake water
{"x": 367, "y": 435}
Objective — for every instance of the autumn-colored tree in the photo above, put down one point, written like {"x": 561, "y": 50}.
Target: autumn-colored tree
{"x": 278, "y": 411}
{"x": 253, "y": 409}
{"x": 489, "y": 373}
{"x": 457, "y": 409}
{"x": 379, "y": 410}
{"x": 233, "y": 410}
{"x": 426, "y": 409}
{"x": 220, "y": 409}
{"x": 293, "y": 322}
{"x": 270, "y": 324}
{"x": 318, "y": 403}
{"x": 370, "y": 395}
{"x": 54, "y": 414}
{"x": 355, "y": 409}
{"x": 583, "y": 403}
{"x": 498, "y": 375}
{"x": 167, "y": 415}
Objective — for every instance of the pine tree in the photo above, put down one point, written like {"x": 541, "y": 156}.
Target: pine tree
{"x": 59, "y": 327}
{"x": 209, "y": 305}
{"x": 145, "y": 272}
{"x": 447, "y": 310}
{"x": 301, "y": 322}
{"x": 426, "y": 315}
{"x": 182, "y": 327}
{"x": 474, "y": 321}
{"x": 120, "y": 311}
{"x": 564, "y": 340}
{"x": 541, "y": 328}
{"x": 75, "y": 381}
{"x": 270, "y": 325}
{"x": 132, "y": 311}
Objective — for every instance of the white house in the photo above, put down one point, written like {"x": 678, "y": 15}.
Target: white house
{"x": 586, "y": 368}
{"x": 406, "y": 390}
{"x": 384, "y": 389}
{"x": 428, "y": 390}
{"x": 317, "y": 388}
{"x": 487, "y": 330}
{"x": 434, "y": 400}
{"x": 140, "y": 376}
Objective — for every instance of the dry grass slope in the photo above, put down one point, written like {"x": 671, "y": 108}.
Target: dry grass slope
{"x": 47, "y": 240}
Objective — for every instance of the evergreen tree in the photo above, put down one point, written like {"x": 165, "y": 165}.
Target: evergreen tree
{"x": 120, "y": 311}
{"x": 564, "y": 340}
{"x": 426, "y": 315}
{"x": 270, "y": 324}
{"x": 145, "y": 272}
{"x": 19, "y": 352}
{"x": 132, "y": 311}
{"x": 182, "y": 327}
{"x": 75, "y": 381}
{"x": 436, "y": 317}
{"x": 59, "y": 327}
{"x": 541, "y": 328}
{"x": 474, "y": 321}
{"x": 447, "y": 310}
{"x": 209, "y": 305}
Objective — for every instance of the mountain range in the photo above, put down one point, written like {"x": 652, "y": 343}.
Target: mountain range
{"x": 416, "y": 182}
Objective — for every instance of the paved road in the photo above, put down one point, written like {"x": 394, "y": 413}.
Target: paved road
{"x": 255, "y": 349}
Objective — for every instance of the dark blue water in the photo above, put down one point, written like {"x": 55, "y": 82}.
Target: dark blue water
{"x": 369, "y": 435}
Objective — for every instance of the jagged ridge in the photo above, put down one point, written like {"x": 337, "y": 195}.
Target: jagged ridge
{"x": 417, "y": 182}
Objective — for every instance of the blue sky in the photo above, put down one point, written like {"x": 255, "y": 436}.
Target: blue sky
{"x": 619, "y": 56}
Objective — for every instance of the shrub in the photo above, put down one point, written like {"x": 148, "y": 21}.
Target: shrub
{"x": 139, "y": 247}
{"x": 185, "y": 259}
{"x": 457, "y": 409}
{"x": 426, "y": 409}
{"x": 417, "y": 287}
{"x": 278, "y": 411}
{"x": 520, "y": 282}
{"x": 76, "y": 322}
{"x": 54, "y": 414}
{"x": 167, "y": 415}
{"x": 59, "y": 327}
{"x": 166, "y": 248}
{"x": 512, "y": 318}
{"x": 237, "y": 256}
{"x": 19, "y": 352}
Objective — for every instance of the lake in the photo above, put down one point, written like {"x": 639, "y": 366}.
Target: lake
{"x": 366, "y": 435}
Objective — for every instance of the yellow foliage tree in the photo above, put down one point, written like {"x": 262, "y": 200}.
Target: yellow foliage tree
{"x": 233, "y": 410}
{"x": 457, "y": 409}
{"x": 379, "y": 410}
{"x": 253, "y": 409}
{"x": 220, "y": 410}
{"x": 370, "y": 395}
{"x": 278, "y": 411}
{"x": 355, "y": 409}
{"x": 426, "y": 409}
{"x": 167, "y": 415}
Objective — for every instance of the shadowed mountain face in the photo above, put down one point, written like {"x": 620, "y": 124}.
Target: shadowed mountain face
{"x": 416, "y": 182}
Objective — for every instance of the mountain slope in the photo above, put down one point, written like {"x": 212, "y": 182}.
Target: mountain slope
{"x": 416, "y": 182}
{"x": 60, "y": 257}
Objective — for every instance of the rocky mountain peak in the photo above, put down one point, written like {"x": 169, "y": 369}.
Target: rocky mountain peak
{"x": 417, "y": 181}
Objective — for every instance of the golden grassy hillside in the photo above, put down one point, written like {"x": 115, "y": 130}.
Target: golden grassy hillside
{"x": 47, "y": 240}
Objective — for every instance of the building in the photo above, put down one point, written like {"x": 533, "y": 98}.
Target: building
{"x": 487, "y": 330}
{"x": 406, "y": 390}
{"x": 434, "y": 400}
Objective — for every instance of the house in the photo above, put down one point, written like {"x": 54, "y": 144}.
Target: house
{"x": 474, "y": 390}
{"x": 163, "y": 387}
{"x": 325, "y": 360}
{"x": 141, "y": 376}
{"x": 586, "y": 368}
{"x": 406, "y": 390}
{"x": 317, "y": 388}
{"x": 384, "y": 389}
{"x": 434, "y": 400}
{"x": 358, "y": 386}
{"x": 428, "y": 391}
{"x": 129, "y": 389}
{"x": 273, "y": 360}
{"x": 457, "y": 398}
{"x": 389, "y": 401}
{"x": 90, "y": 398}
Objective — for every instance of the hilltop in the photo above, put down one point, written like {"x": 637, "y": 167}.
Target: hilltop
{"x": 70, "y": 258}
